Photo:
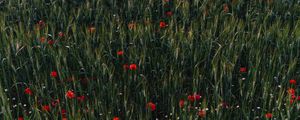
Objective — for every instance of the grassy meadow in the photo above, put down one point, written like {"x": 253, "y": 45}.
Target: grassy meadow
{"x": 149, "y": 59}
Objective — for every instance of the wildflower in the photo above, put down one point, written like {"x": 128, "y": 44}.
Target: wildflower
{"x": 61, "y": 34}
{"x": 291, "y": 101}
{"x": 46, "y": 108}
{"x": 181, "y": 103}
{"x": 243, "y": 69}
{"x": 92, "y": 29}
{"x": 55, "y": 102}
{"x": 202, "y": 113}
{"x": 41, "y": 24}
{"x": 81, "y": 98}
{"x": 298, "y": 98}
{"x": 131, "y": 25}
{"x": 70, "y": 94}
{"x": 28, "y": 91}
{"x": 162, "y": 24}
{"x": 291, "y": 91}
{"x": 51, "y": 42}
{"x": 63, "y": 113}
{"x": 194, "y": 97}
{"x": 293, "y": 81}
{"x": 268, "y": 115}
{"x": 42, "y": 39}
{"x": 20, "y": 118}
{"x": 225, "y": 8}
{"x": 125, "y": 66}
{"x": 116, "y": 118}
{"x": 53, "y": 74}
{"x": 225, "y": 104}
{"x": 132, "y": 67}
{"x": 169, "y": 13}
{"x": 151, "y": 105}
{"x": 120, "y": 53}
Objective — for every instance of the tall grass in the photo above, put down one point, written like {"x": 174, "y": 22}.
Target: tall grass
{"x": 200, "y": 51}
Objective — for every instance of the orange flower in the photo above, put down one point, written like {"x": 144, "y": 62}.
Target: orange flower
{"x": 92, "y": 29}
{"x": 42, "y": 39}
{"x": 151, "y": 105}
{"x": 268, "y": 115}
{"x": 70, "y": 94}
{"x": 132, "y": 26}
{"x": 202, "y": 113}
{"x": 291, "y": 91}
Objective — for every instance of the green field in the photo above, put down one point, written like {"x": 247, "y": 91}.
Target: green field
{"x": 149, "y": 59}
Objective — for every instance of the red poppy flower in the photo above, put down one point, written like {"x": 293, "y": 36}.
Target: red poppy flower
{"x": 64, "y": 113}
{"x": 202, "y": 113}
{"x": 42, "y": 39}
{"x": 64, "y": 118}
{"x": 70, "y": 94}
{"x": 46, "y": 108}
{"x": 92, "y": 29}
{"x": 225, "y": 8}
{"x": 151, "y": 105}
{"x": 28, "y": 91}
{"x": 293, "y": 96}
{"x": 51, "y": 42}
{"x": 41, "y": 24}
{"x": 81, "y": 98}
{"x": 197, "y": 97}
{"x": 291, "y": 101}
{"x": 53, "y": 74}
{"x": 191, "y": 98}
{"x": 243, "y": 69}
{"x": 125, "y": 66}
{"x": 120, "y": 52}
{"x": 291, "y": 91}
{"x": 55, "y": 102}
{"x": 268, "y": 115}
{"x": 116, "y": 118}
{"x": 225, "y": 104}
{"x": 194, "y": 97}
{"x": 181, "y": 103}
{"x": 169, "y": 13}
{"x": 132, "y": 67}
{"x": 61, "y": 34}
{"x": 162, "y": 24}
{"x": 293, "y": 81}
{"x": 20, "y": 118}
{"x": 298, "y": 98}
